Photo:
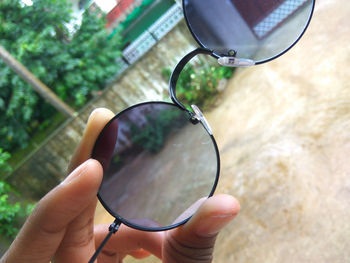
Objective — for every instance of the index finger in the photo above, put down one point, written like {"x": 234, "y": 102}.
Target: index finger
{"x": 96, "y": 122}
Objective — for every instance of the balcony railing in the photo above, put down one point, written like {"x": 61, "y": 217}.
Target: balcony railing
{"x": 153, "y": 34}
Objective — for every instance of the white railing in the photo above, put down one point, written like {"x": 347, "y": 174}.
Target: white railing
{"x": 167, "y": 22}
{"x": 153, "y": 34}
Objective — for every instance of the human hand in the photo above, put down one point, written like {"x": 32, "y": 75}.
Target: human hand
{"x": 61, "y": 227}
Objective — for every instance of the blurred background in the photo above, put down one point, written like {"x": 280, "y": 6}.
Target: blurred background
{"x": 282, "y": 128}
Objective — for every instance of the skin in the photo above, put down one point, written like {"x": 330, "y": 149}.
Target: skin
{"x": 61, "y": 227}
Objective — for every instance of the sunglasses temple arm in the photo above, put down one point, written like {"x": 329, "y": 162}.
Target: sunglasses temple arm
{"x": 113, "y": 228}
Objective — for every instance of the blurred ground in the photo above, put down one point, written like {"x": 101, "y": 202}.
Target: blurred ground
{"x": 283, "y": 133}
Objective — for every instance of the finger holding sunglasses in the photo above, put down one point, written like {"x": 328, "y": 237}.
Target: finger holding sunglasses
{"x": 190, "y": 243}
{"x": 61, "y": 226}
{"x": 195, "y": 240}
{"x": 63, "y": 219}
{"x": 96, "y": 122}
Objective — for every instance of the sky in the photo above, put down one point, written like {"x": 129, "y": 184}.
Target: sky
{"x": 27, "y": 2}
{"x": 106, "y": 5}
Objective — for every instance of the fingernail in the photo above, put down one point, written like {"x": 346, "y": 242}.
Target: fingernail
{"x": 76, "y": 173}
{"x": 212, "y": 225}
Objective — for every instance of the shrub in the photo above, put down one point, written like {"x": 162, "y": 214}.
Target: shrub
{"x": 11, "y": 214}
{"x": 4, "y": 166}
{"x": 198, "y": 82}
{"x": 151, "y": 137}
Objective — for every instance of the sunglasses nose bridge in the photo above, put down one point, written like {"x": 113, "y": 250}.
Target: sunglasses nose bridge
{"x": 200, "y": 117}
{"x": 235, "y": 62}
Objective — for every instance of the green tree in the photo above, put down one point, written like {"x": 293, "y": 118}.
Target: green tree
{"x": 73, "y": 64}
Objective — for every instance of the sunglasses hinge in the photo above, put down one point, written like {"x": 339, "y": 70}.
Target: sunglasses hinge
{"x": 200, "y": 118}
{"x": 194, "y": 119}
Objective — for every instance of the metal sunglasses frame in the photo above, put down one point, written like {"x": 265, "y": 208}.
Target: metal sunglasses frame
{"x": 196, "y": 117}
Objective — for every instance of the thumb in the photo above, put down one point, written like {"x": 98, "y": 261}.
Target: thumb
{"x": 194, "y": 241}
{"x": 45, "y": 228}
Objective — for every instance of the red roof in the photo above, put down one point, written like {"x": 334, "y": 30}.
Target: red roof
{"x": 118, "y": 10}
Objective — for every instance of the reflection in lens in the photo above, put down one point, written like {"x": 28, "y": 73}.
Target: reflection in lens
{"x": 160, "y": 165}
{"x": 201, "y": 81}
{"x": 255, "y": 29}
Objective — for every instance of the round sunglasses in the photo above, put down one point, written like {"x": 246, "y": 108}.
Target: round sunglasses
{"x": 159, "y": 158}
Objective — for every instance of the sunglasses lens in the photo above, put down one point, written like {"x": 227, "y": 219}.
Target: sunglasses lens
{"x": 156, "y": 164}
{"x": 255, "y": 29}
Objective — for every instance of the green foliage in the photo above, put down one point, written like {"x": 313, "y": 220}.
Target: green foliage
{"x": 198, "y": 82}
{"x": 73, "y": 64}
{"x": 11, "y": 214}
{"x": 151, "y": 136}
{"x": 4, "y": 167}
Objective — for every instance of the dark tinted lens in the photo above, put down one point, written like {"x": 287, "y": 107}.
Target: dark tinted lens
{"x": 156, "y": 164}
{"x": 256, "y": 29}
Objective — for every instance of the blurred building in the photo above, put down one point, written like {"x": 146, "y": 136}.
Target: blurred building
{"x": 120, "y": 12}
{"x": 140, "y": 24}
